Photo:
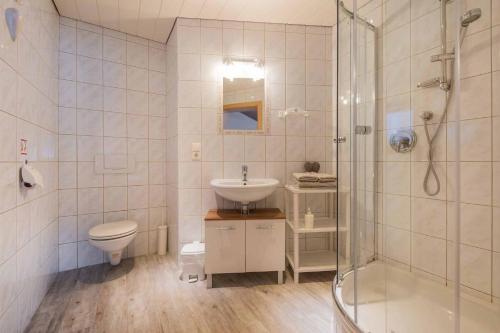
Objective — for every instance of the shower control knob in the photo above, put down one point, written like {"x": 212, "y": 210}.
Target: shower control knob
{"x": 403, "y": 141}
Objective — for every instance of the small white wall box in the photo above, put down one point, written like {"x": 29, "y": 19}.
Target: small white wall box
{"x": 30, "y": 177}
{"x": 193, "y": 262}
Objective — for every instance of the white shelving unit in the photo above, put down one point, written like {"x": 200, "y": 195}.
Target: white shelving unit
{"x": 311, "y": 261}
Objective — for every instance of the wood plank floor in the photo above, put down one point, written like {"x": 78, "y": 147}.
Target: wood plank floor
{"x": 144, "y": 294}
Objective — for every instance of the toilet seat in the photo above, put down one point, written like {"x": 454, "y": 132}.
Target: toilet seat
{"x": 113, "y": 230}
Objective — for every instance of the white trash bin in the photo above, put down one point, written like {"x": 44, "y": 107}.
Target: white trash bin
{"x": 193, "y": 262}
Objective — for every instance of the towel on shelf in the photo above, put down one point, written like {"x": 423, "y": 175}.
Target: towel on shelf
{"x": 313, "y": 179}
{"x": 316, "y": 184}
{"x": 327, "y": 178}
{"x": 305, "y": 177}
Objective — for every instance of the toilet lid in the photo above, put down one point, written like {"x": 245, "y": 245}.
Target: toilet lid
{"x": 113, "y": 230}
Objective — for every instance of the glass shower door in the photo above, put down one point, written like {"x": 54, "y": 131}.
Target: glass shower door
{"x": 356, "y": 152}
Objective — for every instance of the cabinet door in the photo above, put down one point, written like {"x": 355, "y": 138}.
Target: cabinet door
{"x": 224, "y": 246}
{"x": 265, "y": 245}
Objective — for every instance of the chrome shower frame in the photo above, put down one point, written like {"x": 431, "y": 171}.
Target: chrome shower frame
{"x": 445, "y": 84}
{"x": 444, "y": 81}
{"x": 443, "y": 57}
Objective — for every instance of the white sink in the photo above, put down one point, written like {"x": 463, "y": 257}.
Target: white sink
{"x": 244, "y": 191}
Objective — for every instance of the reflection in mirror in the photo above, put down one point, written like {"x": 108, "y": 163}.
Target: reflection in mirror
{"x": 243, "y": 116}
{"x": 243, "y": 95}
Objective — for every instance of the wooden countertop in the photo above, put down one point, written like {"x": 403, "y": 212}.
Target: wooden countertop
{"x": 235, "y": 214}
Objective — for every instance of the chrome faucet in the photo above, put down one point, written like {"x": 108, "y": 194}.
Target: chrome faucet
{"x": 244, "y": 170}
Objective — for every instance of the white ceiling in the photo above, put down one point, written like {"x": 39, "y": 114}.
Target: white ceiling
{"x": 153, "y": 19}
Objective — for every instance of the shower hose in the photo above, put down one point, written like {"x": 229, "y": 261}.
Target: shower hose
{"x": 430, "y": 141}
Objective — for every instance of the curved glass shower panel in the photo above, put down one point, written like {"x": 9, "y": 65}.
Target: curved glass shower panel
{"x": 356, "y": 151}
{"x": 474, "y": 260}
{"x": 437, "y": 263}
{"x": 343, "y": 144}
{"x": 364, "y": 131}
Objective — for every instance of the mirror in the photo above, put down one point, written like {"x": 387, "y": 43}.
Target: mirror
{"x": 243, "y": 95}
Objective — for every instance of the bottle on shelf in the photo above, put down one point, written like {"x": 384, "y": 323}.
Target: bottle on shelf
{"x": 309, "y": 219}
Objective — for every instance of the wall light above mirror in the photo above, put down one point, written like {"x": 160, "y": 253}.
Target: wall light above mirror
{"x": 243, "y": 94}
{"x": 243, "y": 68}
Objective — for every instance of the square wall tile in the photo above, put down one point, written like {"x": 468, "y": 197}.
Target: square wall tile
{"x": 8, "y": 234}
{"x": 86, "y": 222}
{"x": 138, "y": 197}
{"x": 67, "y": 229}
{"x": 114, "y": 49}
{"x": 89, "y": 70}
{"x": 189, "y": 67}
{"x": 137, "y": 79}
{"x": 68, "y": 257}
{"x": 115, "y": 199}
{"x": 89, "y": 44}
{"x": 232, "y": 42}
{"x": 90, "y": 200}
{"x": 188, "y": 39}
{"x": 88, "y": 254}
{"x": 137, "y": 55}
{"x": 141, "y": 216}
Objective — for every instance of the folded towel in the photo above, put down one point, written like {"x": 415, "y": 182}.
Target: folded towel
{"x": 306, "y": 179}
{"x": 306, "y": 176}
{"x": 314, "y": 177}
{"x": 316, "y": 184}
{"x": 327, "y": 179}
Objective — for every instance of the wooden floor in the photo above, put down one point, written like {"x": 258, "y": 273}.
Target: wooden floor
{"x": 145, "y": 295}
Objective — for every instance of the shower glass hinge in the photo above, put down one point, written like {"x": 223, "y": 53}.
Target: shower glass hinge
{"x": 363, "y": 130}
{"x": 340, "y": 139}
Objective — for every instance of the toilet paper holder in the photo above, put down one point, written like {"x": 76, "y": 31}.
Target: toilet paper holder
{"x": 29, "y": 176}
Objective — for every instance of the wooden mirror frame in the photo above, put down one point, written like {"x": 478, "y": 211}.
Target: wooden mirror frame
{"x": 235, "y": 107}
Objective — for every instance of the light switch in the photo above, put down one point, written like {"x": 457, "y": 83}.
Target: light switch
{"x": 196, "y": 151}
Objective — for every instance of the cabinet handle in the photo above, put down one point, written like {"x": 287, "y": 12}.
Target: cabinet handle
{"x": 225, "y": 228}
{"x": 265, "y": 227}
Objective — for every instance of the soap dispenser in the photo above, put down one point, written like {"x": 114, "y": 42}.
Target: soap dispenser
{"x": 309, "y": 219}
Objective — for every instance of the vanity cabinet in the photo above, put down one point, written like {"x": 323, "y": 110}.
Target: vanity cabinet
{"x": 224, "y": 247}
{"x": 265, "y": 245}
{"x": 236, "y": 243}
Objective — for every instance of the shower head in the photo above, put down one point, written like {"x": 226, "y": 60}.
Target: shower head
{"x": 470, "y": 16}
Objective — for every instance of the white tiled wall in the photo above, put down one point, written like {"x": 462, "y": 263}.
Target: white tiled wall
{"x": 298, "y": 74}
{"x": 112, "y": 100}
{"x": 28, "y": 109}
{"x": 414, "y": 228}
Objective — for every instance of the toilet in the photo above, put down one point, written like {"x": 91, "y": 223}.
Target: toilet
{"x": 113, "y": 237}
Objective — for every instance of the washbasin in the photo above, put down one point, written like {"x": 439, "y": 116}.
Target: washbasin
{"x": 244, "y": 191}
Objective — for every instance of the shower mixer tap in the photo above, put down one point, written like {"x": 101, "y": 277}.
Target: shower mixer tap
{"x": 403, "y": 141}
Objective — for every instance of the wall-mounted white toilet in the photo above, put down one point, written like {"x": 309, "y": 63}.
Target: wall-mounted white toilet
{"x": 112, "y": 238}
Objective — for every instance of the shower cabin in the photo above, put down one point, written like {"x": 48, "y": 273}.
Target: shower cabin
{"x": 419, "y": 174}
